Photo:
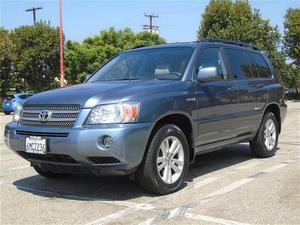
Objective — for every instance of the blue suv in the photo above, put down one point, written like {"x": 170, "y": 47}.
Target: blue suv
{"x": 149, "y": 110}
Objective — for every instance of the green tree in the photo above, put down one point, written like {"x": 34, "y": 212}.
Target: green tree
{"x": 235, "y": 20}
{"x": 85, "y": 58}
{"x": 6, "y": 61}
{"x": 37, "y": 56}
{"x": 291, "y": 38}
{"x": 291, "y": 46}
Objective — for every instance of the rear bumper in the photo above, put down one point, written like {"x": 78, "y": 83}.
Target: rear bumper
{"x": 283, "y": 110}
{"x": 80, "y": 149}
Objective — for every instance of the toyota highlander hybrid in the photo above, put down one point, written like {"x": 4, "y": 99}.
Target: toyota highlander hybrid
{"x": 149, "y": 110}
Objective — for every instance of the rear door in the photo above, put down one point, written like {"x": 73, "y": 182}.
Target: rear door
{"x": 263, "y": 77}
{"x": 249, "y": 97}
{"x": 216, "y": 100}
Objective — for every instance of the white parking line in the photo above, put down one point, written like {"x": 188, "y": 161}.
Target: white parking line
{"x": 241, "y": 182}
{"x": 176, "y": 211}
{"x": 274, "y": 168}
{"x": 226, "y": 189}
{"x": 232, "y": 169}
{"x": 228, "y": 171}
{"x": 112, "y": 216}
{"x": 148, "y": 222}
{"x": 121, "y": 213}
{"x": 212, "y": 219}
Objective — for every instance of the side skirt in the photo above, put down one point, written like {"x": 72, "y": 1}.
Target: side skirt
{"x": 201, "y": 149}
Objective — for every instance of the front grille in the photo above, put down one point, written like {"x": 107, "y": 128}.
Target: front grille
{"x": 41, "y": 134}
{"x": 54, "y": 107}
{"x": 48, "y": 157}
{"x": 103, "y": 160}
{"x": 58, "y": 115}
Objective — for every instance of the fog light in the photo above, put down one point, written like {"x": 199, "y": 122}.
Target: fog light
{"x": 107, "y": 141}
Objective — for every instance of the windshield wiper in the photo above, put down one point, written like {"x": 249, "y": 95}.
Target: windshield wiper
{"x": 127, "y": 78}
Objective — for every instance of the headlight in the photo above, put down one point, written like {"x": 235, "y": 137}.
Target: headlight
{"x": 17, "y": 113}
{"x": 126, "y": 112}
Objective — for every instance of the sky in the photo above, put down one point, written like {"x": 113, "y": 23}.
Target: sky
{"x": 178, "y": 19}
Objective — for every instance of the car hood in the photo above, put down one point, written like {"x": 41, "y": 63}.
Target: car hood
{"x": 88, "y": 95}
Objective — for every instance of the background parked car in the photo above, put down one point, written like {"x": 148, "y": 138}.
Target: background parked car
{"x": 10, "y": 102}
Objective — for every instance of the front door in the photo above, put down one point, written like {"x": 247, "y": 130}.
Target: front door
{"x": 216, "y": 100}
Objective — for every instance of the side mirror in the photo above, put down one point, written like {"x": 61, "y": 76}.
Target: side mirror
{"x": 87, "y": 77}
{"x": 207, "y": 74}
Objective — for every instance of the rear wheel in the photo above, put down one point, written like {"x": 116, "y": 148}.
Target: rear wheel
{"x": 165, "y": 165}
{"x": 49, "y": 174}
{"x": 265, "y": 143}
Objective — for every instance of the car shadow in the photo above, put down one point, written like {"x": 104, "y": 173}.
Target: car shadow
{"x": 85, "y": 187}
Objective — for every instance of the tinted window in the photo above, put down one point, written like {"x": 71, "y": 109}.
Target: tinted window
{"x": 160, "y": 63}
{"x": 9, "y": 98}
{"x": 212, "y": 57}
{"x": 261, "y": 67}
{"x": 23, "y": 96}
{"x": 239, "y": 63}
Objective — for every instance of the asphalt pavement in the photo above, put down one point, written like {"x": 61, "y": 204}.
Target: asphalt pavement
{"x": 229, "y": 186}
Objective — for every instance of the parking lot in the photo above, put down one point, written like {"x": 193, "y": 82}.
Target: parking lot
{"x": 224, "y": 187}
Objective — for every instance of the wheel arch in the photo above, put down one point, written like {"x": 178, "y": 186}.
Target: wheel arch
{"x": 275, "y": 109}
{"x": 183, "y": 121}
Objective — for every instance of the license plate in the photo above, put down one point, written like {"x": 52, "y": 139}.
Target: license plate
{"x": 36, "y": 145}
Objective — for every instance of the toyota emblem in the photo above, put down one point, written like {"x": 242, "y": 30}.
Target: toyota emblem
{"x": 44, "y": 116}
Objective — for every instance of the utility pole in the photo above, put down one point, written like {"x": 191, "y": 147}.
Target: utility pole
{"x": 151, "y": 28}
{"x": 61, "y": 46}
{"x": 33, "y": 12}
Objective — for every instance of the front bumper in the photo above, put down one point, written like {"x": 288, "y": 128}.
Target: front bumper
{"x": 79, "y": 149}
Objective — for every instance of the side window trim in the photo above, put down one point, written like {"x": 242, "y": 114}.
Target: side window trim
{"x": 250, "y": 66}
{"x": 227, "y": 64}
{"x": 253, "y": 64}
{"x": 224, "y": 58}
{"x": 270, "y": 66}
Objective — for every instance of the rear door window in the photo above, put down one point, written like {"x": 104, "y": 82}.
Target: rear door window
{"x": 261, "y": 67}
{"x": 239, "y": 63}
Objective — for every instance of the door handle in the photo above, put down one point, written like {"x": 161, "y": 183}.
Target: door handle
{"x": 231, "y": 89}
{"x": 260, "y": 85}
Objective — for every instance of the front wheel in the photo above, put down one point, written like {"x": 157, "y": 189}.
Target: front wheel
{"x": 6, "y": 113}
{"x": 165, "y": 164}
{"x": 265, "y": 142}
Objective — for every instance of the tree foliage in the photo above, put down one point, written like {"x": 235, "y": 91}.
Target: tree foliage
{"x": 235, "y": 20}
{"x": 85, "y": 58}
{"x": 291, "y": 39}
{"x": 6, "y": 60}
{"x": 36, "y": 55}
{"x": 291, "y": 46}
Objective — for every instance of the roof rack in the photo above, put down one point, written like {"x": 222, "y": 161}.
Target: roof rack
{"x": 139, "y": 46}
{"x": 241, "y": 44}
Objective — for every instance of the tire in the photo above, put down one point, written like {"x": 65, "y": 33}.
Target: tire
{"x": 6, "y": 113}
{"x": 260, "y": 146}
{"x": 49, "y": 174}
{"x": 153, "y": 174}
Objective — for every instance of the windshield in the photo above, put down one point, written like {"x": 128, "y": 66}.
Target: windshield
{"x": 160, "y": 63}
